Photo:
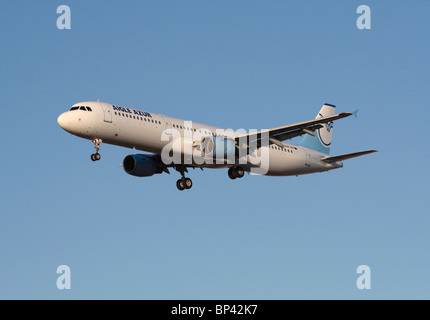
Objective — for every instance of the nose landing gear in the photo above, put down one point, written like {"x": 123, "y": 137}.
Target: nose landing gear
{"x": 96, "y": 156}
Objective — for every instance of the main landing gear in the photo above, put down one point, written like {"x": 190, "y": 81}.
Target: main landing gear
{"x": 96, "y": 156}
{"x": 236, "y": 173}
{"x": 184, "y": 183}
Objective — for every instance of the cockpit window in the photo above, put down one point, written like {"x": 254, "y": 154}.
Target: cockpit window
{"x": 89, "y": 109}
{"x": 74, "y": 108}
{"x": 83, "y": 109}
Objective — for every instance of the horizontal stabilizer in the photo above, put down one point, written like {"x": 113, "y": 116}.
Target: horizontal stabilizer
{"x": 347, "y": 156}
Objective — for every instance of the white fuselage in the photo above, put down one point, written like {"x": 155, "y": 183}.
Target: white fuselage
{"x": 140, "y": 130}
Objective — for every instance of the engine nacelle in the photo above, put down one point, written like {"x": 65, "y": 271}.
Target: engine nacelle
{"x": 139, "y": 165}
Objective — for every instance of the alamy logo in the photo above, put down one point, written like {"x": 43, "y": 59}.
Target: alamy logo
{"x": 364, "y": 280}
{"x": 364, "y": 21}
{"x": 64, "y": 22}
{"x": 205, "y": 146}
{"x": 64, "y": 281}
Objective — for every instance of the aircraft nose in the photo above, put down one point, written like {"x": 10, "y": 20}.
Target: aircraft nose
{"x": 64, "y": 121}
{"x": 61, "y": 120}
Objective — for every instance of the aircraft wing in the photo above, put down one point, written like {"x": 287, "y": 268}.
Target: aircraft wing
{"x": 159, "y": 161}
{"x": 276, "y": 135}
{"x": 346, "y": 156}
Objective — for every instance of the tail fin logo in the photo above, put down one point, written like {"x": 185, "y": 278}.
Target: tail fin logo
{"x": 329, "y": 126}
{"x": 324, "y": 134}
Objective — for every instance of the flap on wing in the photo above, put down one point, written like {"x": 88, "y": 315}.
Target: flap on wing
{"x": 347, "y": 156}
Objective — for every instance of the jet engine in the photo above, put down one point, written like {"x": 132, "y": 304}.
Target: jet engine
{"x": 139, "y": 165}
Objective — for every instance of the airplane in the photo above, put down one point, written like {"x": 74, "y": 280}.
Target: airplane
{"x": 175, "y": 143}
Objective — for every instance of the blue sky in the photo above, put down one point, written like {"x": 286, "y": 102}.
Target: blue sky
{"x": 235, "y": 64}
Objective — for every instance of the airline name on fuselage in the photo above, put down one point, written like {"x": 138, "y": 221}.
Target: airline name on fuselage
{"x": 132, "y": 111}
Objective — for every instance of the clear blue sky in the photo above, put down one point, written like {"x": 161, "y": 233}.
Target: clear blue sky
{"x": 236, "y": 64}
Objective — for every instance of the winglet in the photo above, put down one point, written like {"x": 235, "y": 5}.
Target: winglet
{"x": 355, "y": 114}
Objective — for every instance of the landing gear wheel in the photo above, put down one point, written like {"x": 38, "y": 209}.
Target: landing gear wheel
{"x": 239, "y": 172}
{"x": 236, "y": 172}
{"x": 180, "y": 184}
{"x": 188, "y": 183}
{"x": 231, "y": 174}
{"x": 96, "y": 157}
